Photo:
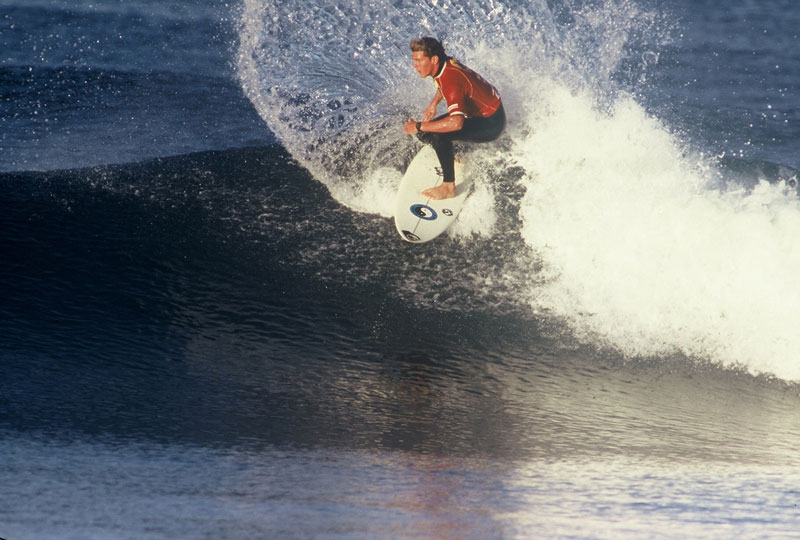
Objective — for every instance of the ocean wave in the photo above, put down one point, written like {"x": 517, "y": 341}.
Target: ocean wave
{"x": 636, "y": 239}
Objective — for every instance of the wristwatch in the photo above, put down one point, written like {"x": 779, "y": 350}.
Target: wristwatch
{"x": 419, "y": 127}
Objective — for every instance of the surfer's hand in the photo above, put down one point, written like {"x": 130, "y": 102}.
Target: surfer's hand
{"x": 411, "y": 127}
{"x": 429, "y": 113}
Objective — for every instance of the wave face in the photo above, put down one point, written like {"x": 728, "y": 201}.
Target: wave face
{"x": 613, "y": 222}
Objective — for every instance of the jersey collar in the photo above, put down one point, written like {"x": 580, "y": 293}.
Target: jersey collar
{"x": 441, "y": 69}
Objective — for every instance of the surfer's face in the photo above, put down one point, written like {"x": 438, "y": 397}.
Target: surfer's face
{"x": 425, "y": 65}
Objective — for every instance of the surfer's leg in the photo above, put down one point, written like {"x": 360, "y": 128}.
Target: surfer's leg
{"x": 443, "y": 146}
{"x": 474, "y": 130}
{"x": 482, "y": 129}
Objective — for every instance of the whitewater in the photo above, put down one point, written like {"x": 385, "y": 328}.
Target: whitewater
{"x": 636, "y": 237}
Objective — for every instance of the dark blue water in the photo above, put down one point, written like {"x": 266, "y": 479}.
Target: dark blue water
{"x": 209, "y": 327}
{"x": 128, "y": 80}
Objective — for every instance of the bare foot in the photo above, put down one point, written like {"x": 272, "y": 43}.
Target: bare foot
{"x": 445, "y": 190}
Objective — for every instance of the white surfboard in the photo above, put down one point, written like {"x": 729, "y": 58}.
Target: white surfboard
{"x": 418, "y": 218}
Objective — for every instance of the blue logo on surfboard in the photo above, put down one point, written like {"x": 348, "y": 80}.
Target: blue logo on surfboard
{"x": 423, "y": 211}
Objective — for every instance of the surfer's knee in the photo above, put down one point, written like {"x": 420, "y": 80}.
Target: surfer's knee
{"x": 440, "y": 141}
{"x": 428, "y": 137}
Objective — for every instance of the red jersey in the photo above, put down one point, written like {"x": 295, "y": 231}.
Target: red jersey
{"x": 466, "y": 92}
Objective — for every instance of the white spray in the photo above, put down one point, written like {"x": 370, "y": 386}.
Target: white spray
{"x": 634, "y": 246}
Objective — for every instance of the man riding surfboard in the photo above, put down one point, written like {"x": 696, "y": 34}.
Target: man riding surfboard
{"x": 474, "y": 109}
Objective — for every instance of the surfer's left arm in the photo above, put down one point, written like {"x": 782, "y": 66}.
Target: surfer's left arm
{"x": 454, "y": 122}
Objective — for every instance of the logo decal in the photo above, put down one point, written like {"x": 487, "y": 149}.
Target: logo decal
{"x": 438, "y": 171}
{"x": 447, "y": 212}
{"x": 423, "y": 211}
{"x": 410, "y": 236}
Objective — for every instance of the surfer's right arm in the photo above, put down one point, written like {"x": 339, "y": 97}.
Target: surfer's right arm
{"x": 430, "y": 111}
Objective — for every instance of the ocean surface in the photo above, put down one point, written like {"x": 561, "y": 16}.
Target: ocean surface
{"x": 209, "y": 327}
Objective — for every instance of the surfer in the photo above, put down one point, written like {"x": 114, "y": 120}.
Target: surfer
{"x": 474, "y": 110}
